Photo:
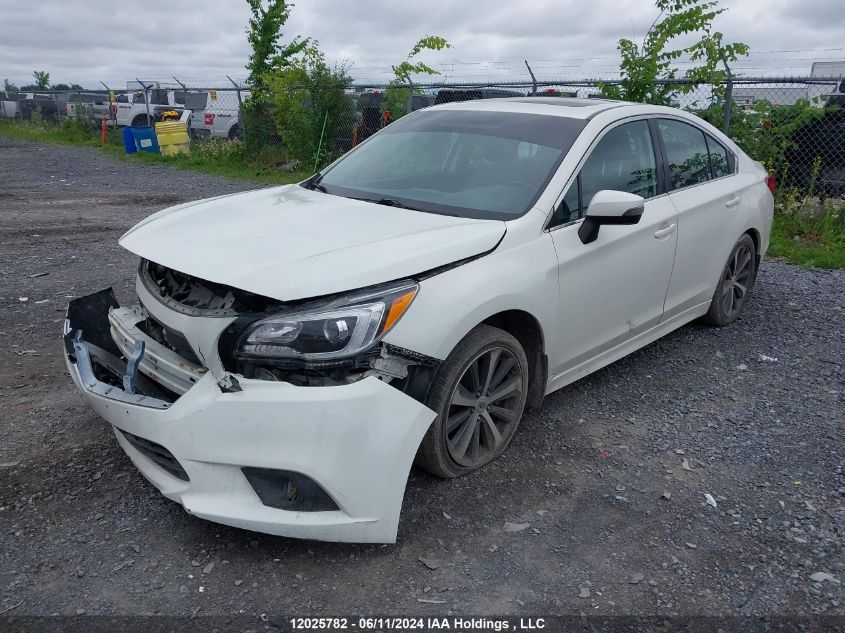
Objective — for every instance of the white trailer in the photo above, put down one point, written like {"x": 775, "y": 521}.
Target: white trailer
{"x": 826, "y": 69}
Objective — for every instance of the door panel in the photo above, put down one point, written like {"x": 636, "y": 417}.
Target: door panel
{"x": 709, "y": 222}
{"x": 612, "y": 289}
{"x": 710, "y": 211}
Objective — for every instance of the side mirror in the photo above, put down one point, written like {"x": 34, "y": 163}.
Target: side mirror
{"x": 610, "y": 207}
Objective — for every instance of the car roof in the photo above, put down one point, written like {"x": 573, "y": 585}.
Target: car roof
{"x": 570, "y": 107}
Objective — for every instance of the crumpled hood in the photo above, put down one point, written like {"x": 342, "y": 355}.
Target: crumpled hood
{"x": 292, "y": 243}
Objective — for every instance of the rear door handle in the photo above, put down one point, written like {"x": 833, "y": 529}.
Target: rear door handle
{"x": 665, "y": 231}
{"x": 732, "y": 202}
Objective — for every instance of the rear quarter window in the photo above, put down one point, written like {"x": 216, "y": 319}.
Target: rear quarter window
{"x": 721, "y": 161}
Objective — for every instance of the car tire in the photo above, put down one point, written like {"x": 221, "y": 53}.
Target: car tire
{"x": 236, "y": 133}
{"x": 735, "y": 284}
{"x": 479, "y": 395}
{"x": 141, "y": 121}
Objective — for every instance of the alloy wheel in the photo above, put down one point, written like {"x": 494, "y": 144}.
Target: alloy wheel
{"x": 737, "y": 280}
{"x": 482, "y": 412}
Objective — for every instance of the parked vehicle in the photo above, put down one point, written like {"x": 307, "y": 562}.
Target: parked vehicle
{"x": 81, "y": 105}
{"x": 210, "y": 120}
{"x": 9, "y": 108}
{"x": 816, "y": 154}
{"x": 296, "y": 348}
{"x": 372, "y": 114}
{"x": 142, "y": 108}
{"x": 28, "y": 105}
{"x": 450, "y": 95}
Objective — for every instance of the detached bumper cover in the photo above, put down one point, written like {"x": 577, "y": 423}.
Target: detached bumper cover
{"x": 357, "y": 441}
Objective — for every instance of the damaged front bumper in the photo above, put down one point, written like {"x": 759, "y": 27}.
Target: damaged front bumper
{"x": 325, "y": 463}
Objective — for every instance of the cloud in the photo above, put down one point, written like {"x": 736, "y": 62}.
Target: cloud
{"x": 202, "y": 42}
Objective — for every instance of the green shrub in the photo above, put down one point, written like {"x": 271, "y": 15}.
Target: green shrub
{"x": 311, "y": 107}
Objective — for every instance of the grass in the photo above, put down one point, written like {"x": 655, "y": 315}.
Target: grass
{"x": 216, "y": 157}
{"x": 811, "y": 233}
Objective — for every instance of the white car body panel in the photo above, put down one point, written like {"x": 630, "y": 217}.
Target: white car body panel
{"x": 594, "y": 303}
{"x": 519, "y": 274}
{"x": 273, "y": 249}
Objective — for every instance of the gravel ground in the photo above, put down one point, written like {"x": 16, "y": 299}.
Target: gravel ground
{"x": 610, "y": 474}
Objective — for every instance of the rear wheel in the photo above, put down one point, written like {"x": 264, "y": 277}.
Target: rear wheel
{"x": 479, "y": 395}
{"x": 735, "y": 284}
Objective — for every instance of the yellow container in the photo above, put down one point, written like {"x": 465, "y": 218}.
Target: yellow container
{"x": 173, "y": 137}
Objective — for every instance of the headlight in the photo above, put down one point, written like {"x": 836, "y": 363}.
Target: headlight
{"x": 337, "y": 329}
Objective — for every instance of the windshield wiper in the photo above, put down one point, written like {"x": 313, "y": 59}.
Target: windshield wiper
{"x": 314, "y": 183}
{"x": 388, "y": 202}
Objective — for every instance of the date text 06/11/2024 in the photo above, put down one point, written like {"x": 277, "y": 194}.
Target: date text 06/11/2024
{"x": 418, "y": 624}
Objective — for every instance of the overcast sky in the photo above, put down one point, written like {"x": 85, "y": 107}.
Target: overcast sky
{"x": 201, "y": 41}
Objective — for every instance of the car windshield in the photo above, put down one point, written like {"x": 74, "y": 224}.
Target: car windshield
{"x": 476, "y": 164}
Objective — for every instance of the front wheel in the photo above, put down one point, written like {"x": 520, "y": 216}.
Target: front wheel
{"x": 735, "y": 284}
{"x": 479, "y": 395}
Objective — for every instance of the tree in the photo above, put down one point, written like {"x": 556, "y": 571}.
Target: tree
{"x": 67, "y": 87}
{"x": 9, "y": 86}
{"x": 42, "y": 79}
{"x": 264, "y": 33}
{"x": 311, "y": 106}
{"x": 644, "y": 65}
{"x": 399, "y": 93}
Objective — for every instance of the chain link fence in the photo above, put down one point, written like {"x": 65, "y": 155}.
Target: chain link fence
{"x": 795, "y": 126}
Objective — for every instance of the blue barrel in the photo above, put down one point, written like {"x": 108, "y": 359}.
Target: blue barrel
{"x": 129, "y": 141}
{"x": 145, "y": 139}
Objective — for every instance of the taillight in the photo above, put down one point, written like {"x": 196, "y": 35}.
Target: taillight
{"x": 770, "y": 183}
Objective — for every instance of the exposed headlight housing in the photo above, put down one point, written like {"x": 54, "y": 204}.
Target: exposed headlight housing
{"x": 341, "y": 328}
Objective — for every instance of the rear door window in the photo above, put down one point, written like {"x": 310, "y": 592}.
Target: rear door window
{"x": 686, "y": 153}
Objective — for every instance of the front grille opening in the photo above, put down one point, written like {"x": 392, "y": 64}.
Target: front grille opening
{"x": 158, "y": 454}
{"x": 198, "y": 297}
{"x": 169, "y": 338}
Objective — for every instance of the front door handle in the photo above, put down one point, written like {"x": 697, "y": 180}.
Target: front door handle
{"x": 732, "y": 202}
{"x": 665, "y": 231}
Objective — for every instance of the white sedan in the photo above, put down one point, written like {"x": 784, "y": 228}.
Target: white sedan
{"x": 295, "y": 349}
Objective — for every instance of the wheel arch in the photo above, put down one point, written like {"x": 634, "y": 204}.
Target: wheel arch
{"x": 235, "y": 131}
{"x": 141, "y": 117}
{"x": 754, "y": 234}
{"x": 526, "y": 329}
